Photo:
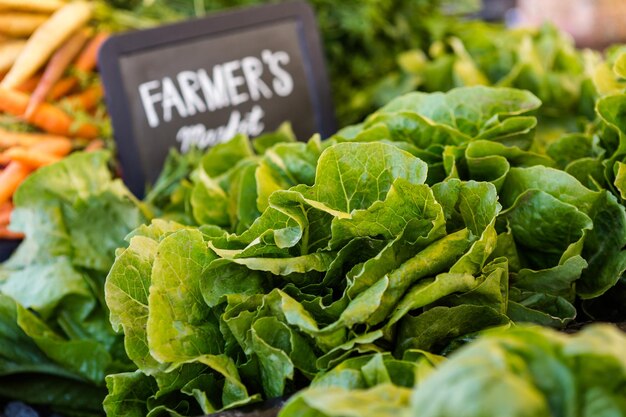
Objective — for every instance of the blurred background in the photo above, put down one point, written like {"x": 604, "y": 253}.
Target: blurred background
{"x": 592, "y": 23}
{"x": 378, "y": 49}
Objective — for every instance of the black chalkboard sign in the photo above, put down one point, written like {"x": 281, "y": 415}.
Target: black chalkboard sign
{"x": 198, "y": 83}
{"x": 7, "y": 247}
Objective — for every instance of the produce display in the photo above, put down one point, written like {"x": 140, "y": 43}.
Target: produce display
{"x": 48, "y": 52}
{"x": 57, "y": 343}
{"x": 50, "y": 96}
{"x": 542, "y": 61}
{"x": 411, "y": 232}
{"x": 520, "y": 372}
{"x": 425, "y": 262}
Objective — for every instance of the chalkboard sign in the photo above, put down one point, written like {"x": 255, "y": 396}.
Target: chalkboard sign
{"x": 7, "y": 247}
{"x": 198, "y": 83}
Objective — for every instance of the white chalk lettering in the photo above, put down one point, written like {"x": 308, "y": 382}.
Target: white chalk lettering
{"x": 190, "y": 86}
{"x": 201, "y": 137}
{"x": 171, "y": 99}
{"x": 232, "y": 83}
{"x": 215, "y": 93}
{"x": 253, "y": 70}
{"x": 283, "y": 82}
{"x": 148, "y": 101}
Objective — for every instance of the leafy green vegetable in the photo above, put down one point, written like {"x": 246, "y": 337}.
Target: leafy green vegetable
{"x": 411, "y": 232}
{"x": 346, "y": 264}
{"x": 530, "y": 372}
{"x": 56, "y": 332}
{"x": 525, "y": 371}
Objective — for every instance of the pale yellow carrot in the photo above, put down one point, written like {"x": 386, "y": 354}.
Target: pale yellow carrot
{"x": 39, "y": 6}
{"x": 20, "y": 24}
{"x": 46, "y": 39}
{"x": 55, "y": 68}
{"x": 9, "y": 52}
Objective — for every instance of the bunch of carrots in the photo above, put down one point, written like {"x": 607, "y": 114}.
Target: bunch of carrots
{"x": 47, "y": 51}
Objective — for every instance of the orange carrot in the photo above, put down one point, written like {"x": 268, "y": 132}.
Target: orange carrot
{"x": 87, "y": 99}
{"x": 47, "y": 117}
{"x": 55, "y": 147}
{"x": 94, "y": 145}
{"x": 32, "y": 158}
{"x": 8, "y": 234}
{"x": 29, "y": 85}
{"x": 10, "y": 178}
{"x": 86, "y": 62}
{"x": 62, "y": 88}
{"x": 88, "y": 59}
{"x": 9, "y": 139}
{"x": 57, "y": 65}
{"x": 5, "y": 213}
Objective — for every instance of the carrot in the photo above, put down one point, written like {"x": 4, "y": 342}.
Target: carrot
{"x": 88, "y": 99}
{"x": 10, "y": 178}
{"x": 9, "y": 139}
{"x": 47, "y": 117}
{"x": 55, "y": 147}
{"x": 46, "y": 39}
{"x": 55, "y": 68}
{"x": 88, "y": 59}
{"x": 86, "y": 62}
{"x": 9, "y": 52}
{"x": 94, "y": 145}
{"x": 8, "y": 234}
{"x": 39, "y": 6}
{"x": 20, "y": 24}
{"x": 62, "y": 88}
{"x": 29, "y": 85}
{"x": 23, "y": 162}
{"x": 32, "y": 158}
{"x": 5, "y": 213}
